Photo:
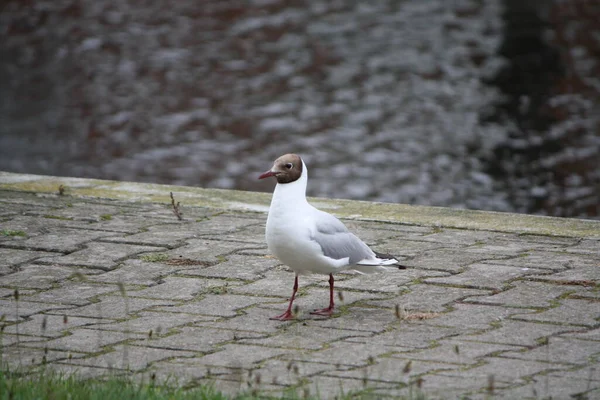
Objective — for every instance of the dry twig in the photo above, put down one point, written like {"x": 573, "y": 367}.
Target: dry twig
{"x": 176, "y": 210}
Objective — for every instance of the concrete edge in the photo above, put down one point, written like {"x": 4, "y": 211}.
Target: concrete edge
{"x": 259, "y": 202}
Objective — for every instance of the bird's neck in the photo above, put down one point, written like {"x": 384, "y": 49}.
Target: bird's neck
{"x": 290, "y": 195}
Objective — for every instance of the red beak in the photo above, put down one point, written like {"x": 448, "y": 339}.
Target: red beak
{"x": 266, "y": 175}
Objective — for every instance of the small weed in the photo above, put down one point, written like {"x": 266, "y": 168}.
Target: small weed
{"x": 106, "y": 217}
{"x": 218, "y": 290}
{"x": 155, "y": 257}
{"x": 9, "y": 232}
{"x": 176, "y": 209}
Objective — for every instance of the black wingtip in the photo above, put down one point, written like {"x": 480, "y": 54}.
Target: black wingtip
{"x": 401, "y": 266}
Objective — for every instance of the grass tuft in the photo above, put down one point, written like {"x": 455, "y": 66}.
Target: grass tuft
{"x": 51, "y": 385}
{"x": 10, "y": 232}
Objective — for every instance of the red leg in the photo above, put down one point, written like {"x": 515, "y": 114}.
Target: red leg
{"x": 329, "y": 310}
{"x": 287, "y": 315}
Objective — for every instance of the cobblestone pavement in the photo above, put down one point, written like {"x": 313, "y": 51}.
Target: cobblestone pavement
{"x": 110, "y": 286}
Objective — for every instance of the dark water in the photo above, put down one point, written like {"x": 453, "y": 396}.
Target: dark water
{"x": 480, "y": 104}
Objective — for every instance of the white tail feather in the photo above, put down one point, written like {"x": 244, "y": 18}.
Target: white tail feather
{"x": 378, "y": 261}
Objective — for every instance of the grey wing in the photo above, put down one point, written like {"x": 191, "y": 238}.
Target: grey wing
{"x": 337, "y": 242}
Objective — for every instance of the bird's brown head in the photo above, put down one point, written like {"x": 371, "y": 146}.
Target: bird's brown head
{"x": 286, "y": 169}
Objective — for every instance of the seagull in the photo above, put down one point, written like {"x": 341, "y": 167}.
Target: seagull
{"x": 309, "y": 240}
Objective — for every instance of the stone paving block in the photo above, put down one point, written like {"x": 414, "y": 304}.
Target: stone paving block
{"x": 241, "y": 355}
{"x": 18, "y": 340}
{"x": 391, "y": 281}
{"x": 588, "y": 334}
{"x": 80, "y": 211}
{"x": 237, "y": 267}
{"x": 438, "y": 387}
{"x": 14, "y": 257}
{"x": 151, "y": 323}
{"x": 412, "y": 248}
{"x": 555, "y": 241}
{"x": 314, "y": 298}
{"x": 100, "y": 255}
{"x": 116, "y": 307}
{"x": 8, "y": 292}
{"x": 287, "y": 372}
{"x": 198, "y": 338}
{"x": 24, "y": 357}
{"x": 176, "y": 288}
{"x": 85, "y": 340}
{"x": 525, "y": 294}
{"x": 475, "y": 317}
{"x": 455, "y": 351}
{"x": 346, "y": 354}
{"x": 570, "y": 311}
{"x": 304, "y": 336}
{"x": 35, "y": 276}
{"x": 586, "y": 292}
{"x": 510, "y": 248}
{"x": 84, "y": 372}
{"x": 182, "y": 371}
{"x": 451, "y": 260}
{"x": 260, "y": 252}
{"x": 507, "y": 370}
{"x": 128, "y": 224}
{"x": 61, "y": 240}
{"x": 50, "y": 326}
{"x": 226, "y": 223}
{"x": 165, "y": 235}
{"x": 210, "y": 251}
{"x": 580, "y": 273}
{"x": 40, "y": 221}
{"x": 226, "y": 304}
{"x": 485, "y": 276}
{"x": 128, "y": 357}
{"x": 253, "y": 320}
{"x": 392, "y": 370}
{"x": 231, "y": 386}
{"x": 411, "y": 334}
{"x": 136, "y": 272}
{"x": 586, "y": 247}
{"x": 13, "y": 312}
{"x": 560, "y": 350}
{"x": 373, "y": 236}
{"x": 518, "y": 333}
{"x": 373, "y": 320}
{"x": 538, "y": 259}
{"x": 327, "y": 387}
{"x": 252, "y": 234}
{"x": 429, "y": 298}
{"x": 414, "y": 231}
{"x": 587, "y": 373}
{"x": 74, "y": 292}
{"x": 276, "y": 282}
{"x": 552, "y": 388}
{"x": 463, "y": 237}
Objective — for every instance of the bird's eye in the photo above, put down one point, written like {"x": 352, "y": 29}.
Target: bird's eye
{"x": 289, "y": 165}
